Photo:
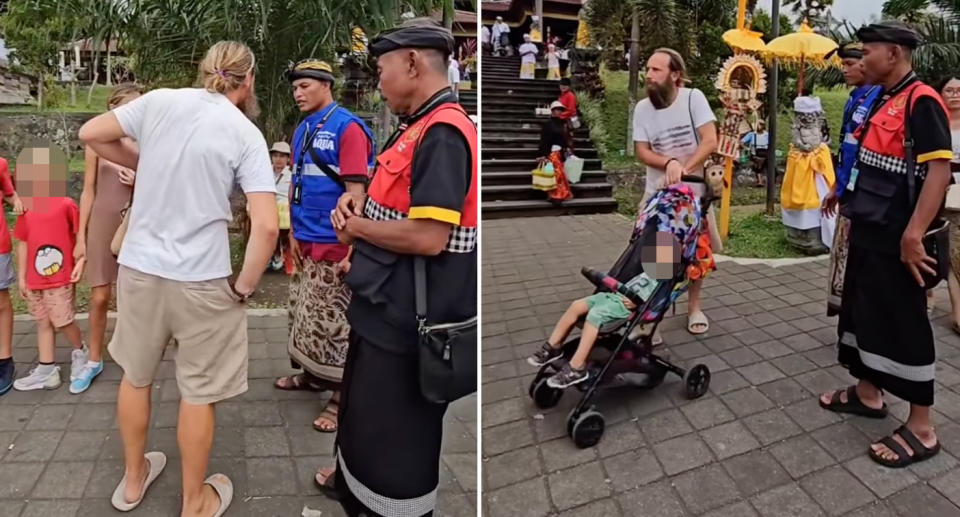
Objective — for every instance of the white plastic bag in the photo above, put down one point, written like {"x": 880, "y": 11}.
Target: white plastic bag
{"x": 573, "y": 167}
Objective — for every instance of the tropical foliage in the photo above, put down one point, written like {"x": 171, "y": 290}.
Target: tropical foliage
{"x": 165, "y": 39}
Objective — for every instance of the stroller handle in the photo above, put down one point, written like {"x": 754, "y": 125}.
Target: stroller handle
{"x": 608, "y": 282}
{"x": 690, "y": 178}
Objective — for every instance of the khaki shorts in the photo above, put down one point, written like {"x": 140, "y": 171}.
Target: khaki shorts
{"x": 55, "y": 304}
{"x": 207, "y": 321}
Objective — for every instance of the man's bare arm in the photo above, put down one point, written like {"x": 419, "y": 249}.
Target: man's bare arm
{"x": 104, "y": 135}
{"x": 708, "y": 146}
{"x": 649, "y": 158}
{"x": 931, "y": 197}
{"x": 407, "y": 236}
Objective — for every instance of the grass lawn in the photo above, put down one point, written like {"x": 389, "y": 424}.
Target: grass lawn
{"x": 98, "y": 102}
{"x": 756, "y": 235}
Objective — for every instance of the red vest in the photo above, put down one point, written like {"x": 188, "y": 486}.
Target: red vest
{"x": 388, "y": 196}
{"x": 885, "y": 136}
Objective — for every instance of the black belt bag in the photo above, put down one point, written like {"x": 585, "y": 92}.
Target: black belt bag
{"x": 448, "y": 351}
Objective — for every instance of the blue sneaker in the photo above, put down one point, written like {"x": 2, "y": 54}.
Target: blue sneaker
{"x": 85, "y": 376}
{"x": 6, "y": 377}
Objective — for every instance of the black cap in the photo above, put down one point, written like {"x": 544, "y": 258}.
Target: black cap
{"x": 413, "y": 36}
{"x": 311, "y": 69}
{"x": 848, "y": 51}
{"x": 564, "y": 81}
{"x": 890, "y": 31}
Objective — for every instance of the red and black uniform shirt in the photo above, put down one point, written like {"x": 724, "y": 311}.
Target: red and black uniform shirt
{"x": 878, "y": 207}
{"x": 427, "y": 171}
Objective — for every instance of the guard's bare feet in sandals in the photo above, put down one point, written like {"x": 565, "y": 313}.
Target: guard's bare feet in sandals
{"x": 905, "y": 446}
{"x": 327, "y": 421}
{"x": 855, "y": 400}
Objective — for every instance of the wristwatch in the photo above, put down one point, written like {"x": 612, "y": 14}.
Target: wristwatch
{"x": 243, "y": 297}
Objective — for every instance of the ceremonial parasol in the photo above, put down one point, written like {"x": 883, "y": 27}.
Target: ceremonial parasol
{"x": 744, "y": 40}
{"x": 800, "y": 48}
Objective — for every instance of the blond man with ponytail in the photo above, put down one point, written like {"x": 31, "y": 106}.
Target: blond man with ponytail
{"x": 174, "y": 278}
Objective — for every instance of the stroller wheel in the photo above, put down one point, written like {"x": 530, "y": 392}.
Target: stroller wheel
{"x": 587, "y": 429}
{"x": 696, "y": 381}
{"x": 544, "y": 396}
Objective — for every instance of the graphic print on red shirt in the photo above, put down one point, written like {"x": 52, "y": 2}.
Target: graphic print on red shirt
{"x": 6, "y": 188}
{"x": 50, "y": 236}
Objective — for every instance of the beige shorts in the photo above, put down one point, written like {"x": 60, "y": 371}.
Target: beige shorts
{"x": 205, "y": 319}
{"x": 55, "y": 304}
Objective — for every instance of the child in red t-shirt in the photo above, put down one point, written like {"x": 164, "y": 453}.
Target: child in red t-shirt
{"x": 7, "y": 277}
{"x": 47, "y": 233}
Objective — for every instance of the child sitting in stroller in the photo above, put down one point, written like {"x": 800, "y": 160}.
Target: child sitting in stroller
{"x": 675, "y": 212}
{"x": 660, "y": 257}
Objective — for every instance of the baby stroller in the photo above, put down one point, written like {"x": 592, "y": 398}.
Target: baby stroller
{"x": 623, "y": 353}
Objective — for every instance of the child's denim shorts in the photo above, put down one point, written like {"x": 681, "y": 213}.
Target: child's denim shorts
{"x": 8, "y": 276}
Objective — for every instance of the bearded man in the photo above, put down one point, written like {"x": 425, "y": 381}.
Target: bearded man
{"x": 675, "y": 132}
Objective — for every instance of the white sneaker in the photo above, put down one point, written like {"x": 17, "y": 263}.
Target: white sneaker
{"x": 37, "y": 381}
{"x": 78, "y": 359}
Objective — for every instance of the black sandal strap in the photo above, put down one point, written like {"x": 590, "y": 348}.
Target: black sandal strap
{"x": 895, "y": 446}
{"x": 835, "y": 399}
{"x": 919, "y": 449}
{"x": 852, "y": 397}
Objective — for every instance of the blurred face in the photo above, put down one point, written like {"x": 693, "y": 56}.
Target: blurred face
{"x": 564, "y": 88}
{"x": 951, "y": 95}
{"x": 310, "y": 94}
{"x": 556, "y": 112}
{"x": 878, "y": 61}
{"x": 661, "y": 82}
{"x": 279, "y": 161}
{"x": 853, "y": 71}
{"x": 398, "y": 73}
{"x": 660, "y": 256}
{"x": 41, "y": 173}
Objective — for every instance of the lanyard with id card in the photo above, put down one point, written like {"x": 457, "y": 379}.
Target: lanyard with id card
{"x": 304, "y": 148}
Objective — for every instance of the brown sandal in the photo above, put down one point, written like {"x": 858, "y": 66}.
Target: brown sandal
{"x": 329, "y": 415}
{"x": 300, "y": 382}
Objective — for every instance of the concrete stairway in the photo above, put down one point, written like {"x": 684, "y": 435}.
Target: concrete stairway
{"x": 511, "y": 141}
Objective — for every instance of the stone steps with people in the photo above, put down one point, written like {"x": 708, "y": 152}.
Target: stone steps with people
{"x": 511, "y": 142}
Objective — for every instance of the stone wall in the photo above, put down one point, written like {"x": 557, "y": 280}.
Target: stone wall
{"x": 15, "y": 88}
{"x": 18, "y": 130}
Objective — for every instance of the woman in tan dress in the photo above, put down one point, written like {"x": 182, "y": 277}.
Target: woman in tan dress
{"x": 107, "y": 190}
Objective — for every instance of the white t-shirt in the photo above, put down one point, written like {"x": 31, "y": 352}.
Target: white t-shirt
{"x": 453, "y": 72}
{"x": 531, "y": 57}
{"x": 485, "y": 34}
{"x": 955, "y": 139}
{"x": 671, "y": 131}
{"x": 194, "y": 146}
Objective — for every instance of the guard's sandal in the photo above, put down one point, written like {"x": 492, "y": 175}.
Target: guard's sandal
{"x": 224, "y": 488}
{"x": 697, "y": 323}
{"x": 920, "y": 451}
{"x": 156, "y": 461}
{"x": 853, "y": 405}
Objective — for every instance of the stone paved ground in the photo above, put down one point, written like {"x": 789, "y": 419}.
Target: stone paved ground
{"x": 756, "y": 444}
{"x": 60, "y": 454}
